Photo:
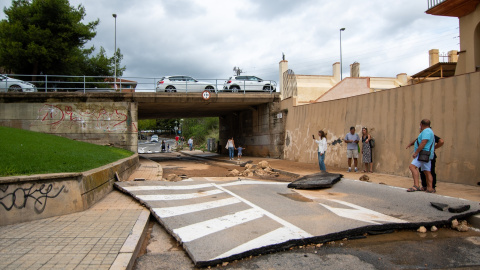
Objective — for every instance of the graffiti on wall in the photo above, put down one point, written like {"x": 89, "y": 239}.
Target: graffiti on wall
{"x": 19, "y": 197}
{"x": 87, "y": 117}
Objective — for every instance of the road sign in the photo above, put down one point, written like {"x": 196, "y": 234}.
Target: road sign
{"x": 206, "y": 95}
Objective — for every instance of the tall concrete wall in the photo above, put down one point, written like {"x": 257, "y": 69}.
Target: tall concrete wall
{"x": 260, "y": 130}
{"x": 104, "y": 122}
{"x": 393, "y": 117}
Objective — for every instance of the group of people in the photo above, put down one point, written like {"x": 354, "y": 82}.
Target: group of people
{"x": 353, "y": 149}
{"x": 231, "y": 149}
{"x": 423, "y": 169}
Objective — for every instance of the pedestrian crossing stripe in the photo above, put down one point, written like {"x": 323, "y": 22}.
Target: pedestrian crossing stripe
{"x": 277, "y": 236}
{"x": 204, "y": 228}
{"x": 182, "y": 187}
{"x": 172, "y": 197}
{"x": 191, "y": 208}
{"x": 361, "y": 214}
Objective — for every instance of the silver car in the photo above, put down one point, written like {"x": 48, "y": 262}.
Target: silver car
{"x": 248, "y": 83}
{"x": 183, "y": 84}
{"x": 8, "y": 84}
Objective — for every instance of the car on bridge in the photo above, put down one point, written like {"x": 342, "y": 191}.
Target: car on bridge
{"x": 248, "y": 83}
{"x": 8, "y": 84}
{"x": 183, "y": 84}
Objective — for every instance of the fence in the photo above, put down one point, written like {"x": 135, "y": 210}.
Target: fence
{"x": 65, "y": 83}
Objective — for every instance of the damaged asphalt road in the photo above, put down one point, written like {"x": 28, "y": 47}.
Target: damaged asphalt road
{"x": 222, "y": 221}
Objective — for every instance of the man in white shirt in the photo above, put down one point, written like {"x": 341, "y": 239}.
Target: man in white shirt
{"x": 352, "y": 140}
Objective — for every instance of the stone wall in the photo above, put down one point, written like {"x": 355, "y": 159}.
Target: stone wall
{"x": 393, "y": 117}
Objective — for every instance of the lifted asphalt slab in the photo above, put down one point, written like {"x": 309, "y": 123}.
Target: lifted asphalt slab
{"x": 224, "y": 220}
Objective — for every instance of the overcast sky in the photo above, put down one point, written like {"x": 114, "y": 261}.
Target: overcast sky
{"x": 207, "y": 38}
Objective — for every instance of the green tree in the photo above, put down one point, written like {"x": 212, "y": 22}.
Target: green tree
{"x": 48, "y": 36}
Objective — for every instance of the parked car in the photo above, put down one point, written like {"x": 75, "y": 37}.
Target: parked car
{"x": 248, "y": 83}
{"x": 154, "y": 138}
{"x": 8, "y": 84}
{"x": 183, "y": 84}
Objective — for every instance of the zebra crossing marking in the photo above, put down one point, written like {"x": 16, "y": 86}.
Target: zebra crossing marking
{"x": 191, "y": 208}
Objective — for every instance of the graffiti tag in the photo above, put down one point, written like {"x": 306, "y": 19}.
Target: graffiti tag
{"x": 20, "y": 196}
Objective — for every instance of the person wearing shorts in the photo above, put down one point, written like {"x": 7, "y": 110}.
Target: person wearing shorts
{"x": 352, "y": 140}
{"x": 425, "y": 141}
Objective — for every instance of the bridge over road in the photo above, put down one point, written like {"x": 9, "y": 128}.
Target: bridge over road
{"x": 112, "y": 118}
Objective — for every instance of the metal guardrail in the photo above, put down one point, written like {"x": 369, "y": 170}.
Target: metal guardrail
{"x": 433, "y": 3}
{"x": 65, "y": 83}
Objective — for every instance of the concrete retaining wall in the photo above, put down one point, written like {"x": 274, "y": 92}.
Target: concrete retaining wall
{"x": 99, "y": 121}
{"x": 26, "y": 198}
{"x": 393, "y": 117}
{"x": 259, "y": 130}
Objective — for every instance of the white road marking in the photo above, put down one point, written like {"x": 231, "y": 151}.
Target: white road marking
{"x": 361, "y": 214}
{"x": 252, "y": 182}
{"x": 277, "y": 236}
{"x": 183, "y": 187}
{"x": 178, "y": 196}
{"x": 204, "y": 228}
{"x": 270, "y": 215}
{"x": 191, "y": 208}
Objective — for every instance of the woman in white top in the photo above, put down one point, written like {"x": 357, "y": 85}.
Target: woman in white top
{"x": 231, "y": 148}
{"x": 322, "y": 149}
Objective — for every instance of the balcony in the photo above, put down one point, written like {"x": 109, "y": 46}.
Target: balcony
{"x": 433, "y": 3}
{"x": 451, "y": 8}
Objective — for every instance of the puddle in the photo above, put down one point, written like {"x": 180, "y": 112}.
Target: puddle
{"x": 296, "y": 197}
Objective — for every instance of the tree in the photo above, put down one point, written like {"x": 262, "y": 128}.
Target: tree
{"x": 48, "y": 36}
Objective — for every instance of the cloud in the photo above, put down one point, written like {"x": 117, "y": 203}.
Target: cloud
{"x": 207, "y": 38}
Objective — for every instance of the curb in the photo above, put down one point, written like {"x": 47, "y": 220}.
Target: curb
{"x": 130, "y": 249}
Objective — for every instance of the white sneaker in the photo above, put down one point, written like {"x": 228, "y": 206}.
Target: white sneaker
{"x": 349, "y": 170}
{"x": 356, "y": 170}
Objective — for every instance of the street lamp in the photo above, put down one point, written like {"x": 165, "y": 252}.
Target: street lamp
{"x": 115, "y": 53}
{"x": 341, "y": 69}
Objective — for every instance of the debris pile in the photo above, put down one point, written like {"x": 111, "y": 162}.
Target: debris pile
{"x": 364, "y": 178}
{"x": 261, "y": 169}
{"x": 460, "y": 226}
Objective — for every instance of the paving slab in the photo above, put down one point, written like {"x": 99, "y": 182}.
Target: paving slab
{"x": 219, "y": 221}
{"x": 102, "y": 237}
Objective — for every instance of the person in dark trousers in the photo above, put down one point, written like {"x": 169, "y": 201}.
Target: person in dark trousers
{"x": 438, "y": 143}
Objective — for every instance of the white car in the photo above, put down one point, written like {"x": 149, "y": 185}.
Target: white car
{"x": 248, "y": 83}
{"x": 154, "y": 138}
{"x": 183, "y": 84}
{"x": 8, "y": 84}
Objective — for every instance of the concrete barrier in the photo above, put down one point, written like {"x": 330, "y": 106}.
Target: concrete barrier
{"x": 27, "y": 198}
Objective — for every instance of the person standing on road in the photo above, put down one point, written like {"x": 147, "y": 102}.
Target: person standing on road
{"x": 352, "y": 140}
{"x": 438, "y": 143}
{"x": 163, "y": 145}
{"x": 322, "y": 149}
{"x": 366, "y": 150}
{"x": 177, "y": 138}
{"x": 190, "y": 143}
{"x": 425, "y": 141}
{"x": 231, "y": 148}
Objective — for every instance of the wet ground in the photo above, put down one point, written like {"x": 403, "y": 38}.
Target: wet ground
{"x": 407, "y": 249}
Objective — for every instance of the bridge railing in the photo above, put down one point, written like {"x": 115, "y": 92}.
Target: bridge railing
{"x": 65, "y": 83}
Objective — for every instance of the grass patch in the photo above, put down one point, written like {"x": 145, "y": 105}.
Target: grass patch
{"x": 25, "y": 152}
